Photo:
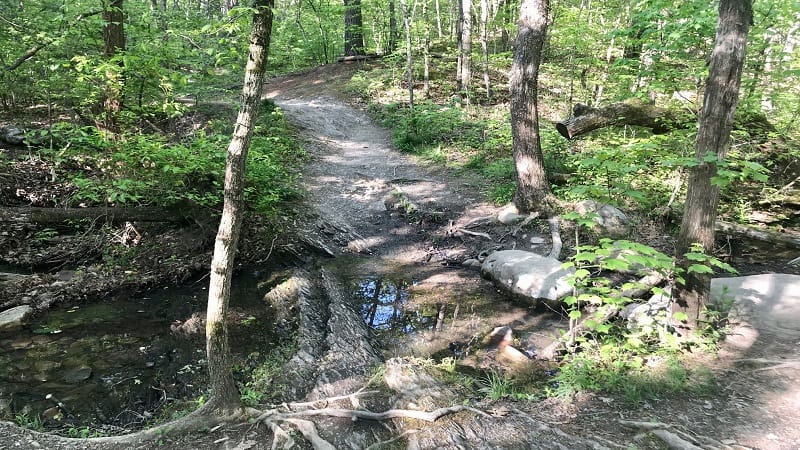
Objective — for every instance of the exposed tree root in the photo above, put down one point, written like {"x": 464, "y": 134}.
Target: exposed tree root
{"x": 676, "y": 439}
{"x": 769, "y": 363}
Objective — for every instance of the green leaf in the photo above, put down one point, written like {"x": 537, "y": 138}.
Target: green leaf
{"x": 575, "y": 314}
{"x": 680, "y": 316}
{"x": 699, "y": 268}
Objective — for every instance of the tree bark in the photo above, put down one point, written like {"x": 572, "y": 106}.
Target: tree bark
{"x": 716, "y": 122}
{"x": 630, "y": 112}
{"x": 353, "y": 28}
{"x": 533, "y": 190}
{"x": 485, "y": 47}
{"x": 113, "y": 43}
{"x": 466, "y": 49}
{"x": 224, "y": 395}
{"x": 407, "y": 18}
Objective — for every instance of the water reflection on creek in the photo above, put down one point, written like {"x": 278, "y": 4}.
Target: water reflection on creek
{"x": 117, "y": 361}
{"x": 384, "y": 306}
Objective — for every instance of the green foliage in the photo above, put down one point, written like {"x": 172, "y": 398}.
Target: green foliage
{"x": 147, "y": 169}
{"x": 83, "y": 433}
{"x": 31, "y": 422}
{"x": 608, "y": 368}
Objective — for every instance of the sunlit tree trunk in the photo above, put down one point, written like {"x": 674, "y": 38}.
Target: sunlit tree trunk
{"x": 533, "y": 190}
{"x": 353, "y": 28}
{"x": 485, "y": 47}
{"x": 224, "y": 395}
{"x": 466, "y": 48}
{"x": 711, "y": 145}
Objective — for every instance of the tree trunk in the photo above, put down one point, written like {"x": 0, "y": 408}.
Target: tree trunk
{"x": 392, "y": 28}
{"x": 716, "y": 122}
{"x": 224, "y": 395}
{"x": 485, "y": 47}
{"x": 533, "y": 190}
{"x": 113, "y": 43}
{"x": 466, "y": 48}
{"x": 407, "y": 18}
{"x": 353, "y": 28}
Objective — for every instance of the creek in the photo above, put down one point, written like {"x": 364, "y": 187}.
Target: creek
{"x": 124, "y": 360}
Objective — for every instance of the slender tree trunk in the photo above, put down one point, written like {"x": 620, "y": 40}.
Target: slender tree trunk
{"x": 716, "y": 121}
{"x": 353, "y": 28}
{"x": 113, "y": 43}
{"x": 485, "y": 47}
{"x": 426, "y": 52}
{"x": 407, "y": 18}
{"x": 533, "y": 190}
{"x": 466, "y": 48}
{"x": 392, "y": 28}
{"x": 224, "y": 395}
{"x": 438, "y": 19}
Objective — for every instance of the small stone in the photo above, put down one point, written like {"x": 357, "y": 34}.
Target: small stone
{"x": 78, "y": 374}
{"x": 472, "y": 262}
{"x": 509, "y": 215}
{"x": 536, "y": 240}
{"x": 14, "y": 317}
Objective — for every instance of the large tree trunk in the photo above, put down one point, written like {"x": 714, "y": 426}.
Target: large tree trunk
{"x": 224, "y": 395}
{"x": 353, "y": 28}
{"x": 716, "y": 122}
{"x": 533, "y": 190}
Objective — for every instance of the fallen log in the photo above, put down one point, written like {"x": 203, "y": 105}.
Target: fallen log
{"x": 660, "y": 120}
{"x": 630, "y": 112}
{"x": 112, "y": 215}
{"x": 759, "y": 234}
{"x": 356, "y": 58}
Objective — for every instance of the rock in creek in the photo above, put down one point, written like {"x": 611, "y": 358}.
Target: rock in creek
{"x": 77, "y": 374}
{"x": 14, "y": 317}
{"x": 528, "y": 276}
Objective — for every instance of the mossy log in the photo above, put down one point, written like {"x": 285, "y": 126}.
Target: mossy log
{"x": 630, "y": 112}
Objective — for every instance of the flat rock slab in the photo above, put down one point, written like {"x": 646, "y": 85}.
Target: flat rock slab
{"x": 14, "y": 317}
{"x": 527, "y": 276}
{"x": 768, "y": 302}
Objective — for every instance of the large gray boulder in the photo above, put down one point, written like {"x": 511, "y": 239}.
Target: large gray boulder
{"x": 14, "y": 317}
{"x": 528, "y": 276}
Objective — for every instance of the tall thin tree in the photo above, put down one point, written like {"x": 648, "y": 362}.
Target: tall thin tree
{"x": 224, "y": 395}
{"x": 711, "y": 146}
{"x": 533, "y": 190}
{"x": 353, "y": 28}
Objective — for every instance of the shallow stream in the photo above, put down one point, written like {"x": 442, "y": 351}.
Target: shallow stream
{"x": 122, "y": 360}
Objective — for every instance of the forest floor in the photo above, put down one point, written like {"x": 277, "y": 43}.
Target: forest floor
{"x": 382, "y": 214}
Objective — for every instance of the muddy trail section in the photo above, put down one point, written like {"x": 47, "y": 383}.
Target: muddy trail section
{"x": 386, "y": 285}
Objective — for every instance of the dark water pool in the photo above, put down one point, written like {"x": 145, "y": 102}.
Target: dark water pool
{"x": 122, "y": 360}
